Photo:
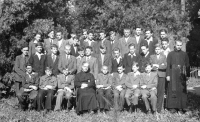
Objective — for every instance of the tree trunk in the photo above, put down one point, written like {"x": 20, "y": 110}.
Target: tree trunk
{"x": 182, "y": 7}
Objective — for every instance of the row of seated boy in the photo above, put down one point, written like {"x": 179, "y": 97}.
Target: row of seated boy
{"x": 124, "y": 87}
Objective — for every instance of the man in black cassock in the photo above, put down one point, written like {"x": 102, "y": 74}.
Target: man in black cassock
{"x": 177, "y": 72}
{"x": 86, "y": 94}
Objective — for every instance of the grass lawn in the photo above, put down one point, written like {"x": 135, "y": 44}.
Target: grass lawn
{"x": 9, "y": 114}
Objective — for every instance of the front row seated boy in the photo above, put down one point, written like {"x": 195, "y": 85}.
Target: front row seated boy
{"x": 65, "y": 89}
{"x": 47, "y": 87}
{"x": 28, "y": 91}
{"x": 133, "y": 91}
{"x": 103, "y": 85}
{"x": 119, "y": 87}
{"x": 149, "y": 88}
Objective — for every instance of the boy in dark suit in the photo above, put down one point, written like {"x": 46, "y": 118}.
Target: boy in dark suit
{"x": 104, "y": 58}
{"x": 32, "y": 44}
{"x": 129, "y": 58}
{"x": 138, "y": 37}
{"x": 48, "y": 84}
{"x": 80, "y": 58}
{"x": 116, "y": 60}
{"x": 60, "y": 42}
{"x": 144, "y": 57}
{"x": 118, "y": 84}
{"x": 149, "y": 88}
{"x": 114, "y": 41}
{"x": 133, "y": 91}
{"x": 74, "y": 46}
{"x": 67, "y": 61}
{"x": 52, "y": 60}
{"x": 38, "y": 60}
{"x": 20, "y": 67}
{"x": 103, "y": 85}
{"x": 65, "y": 87}
{"x": 49, "y": 41}
{"x": 28, "y": 91}
{"x": 159, "y": 63}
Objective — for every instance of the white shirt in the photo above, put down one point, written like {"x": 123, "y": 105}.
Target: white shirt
{"x": 120, "y": 75}
{"x": 118, "y": 59}
{"x": 67, "y": 56}
{"x": 137, "y": 38}
{"x": 53, "y": 57}
{"x": 87, "y": 58}
{"x": 39, "y": 55}
{"x": 158, "y": 56}
{"x": 149, "y": 40}
{"x": 137, "y": 73}
{"x": 60, "y": 42}
{"x": 102, "y": 58}
{"x": 126, "y": 39}
{"x": 129, "y": 54}
{"x": 147, "y": 54}
{"x": 166, "y": 52}
{"x": 112, "y": 42}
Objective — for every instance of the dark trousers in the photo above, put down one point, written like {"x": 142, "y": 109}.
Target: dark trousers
{"x": 104, "y": 97}
{"x": 119, "y": 99}
{"x": 48, "y": 101}
{"x": 18, "y": 85}
{"x": 160, "y": 93}
{"x": 149, "y": 97}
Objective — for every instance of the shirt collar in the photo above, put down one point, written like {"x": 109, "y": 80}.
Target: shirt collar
{"x": 150, "y": 39}
{"x": 118, "y": 58}
{"x": 35, "y": 41}
{"x": 147, "y": 54}
{"x": 39, "y": 53}
{"x": 129, "y": 54}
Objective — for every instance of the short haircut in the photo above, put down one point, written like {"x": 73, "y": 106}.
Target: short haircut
{"x": 149, "y": 29}
{"x": 102, "y": 31}
{"x": 112, "y": 32}
{"x": 54, "y": 46}
{"x": 48, "y": 69}
{"x": 24, "y": 45}
{"x": 145, "y": 45}
{"x": 157, "y": 45}
{"x": 165, "y": 39}
{"x": 39, "y": 44}
{"x": 127, "y": 28}
{"x": 28, "y": 64}
{"x": 102, "y": 46}
{"x": 138, "y": 26}
{"x": 81, "y": 48}
{"x": 116, "y": 49}
{"x": 90, "y": 31}
{"x": 85, "y": 30}
{"x": 104, "y": 66}
{"x": 178, "y": 41}
{"x": 148, "y": 64}
{"x": 163, "y": 30}
{"x": 85, "y": 62}
{"x": 120, "y": 65}
{"x": 50, "y": 31}
{"x": 135, "y": 64}
{"x": 89, "y": 47}
{"x": 59, "y": 31}
{"x": 67, "y": 45}
{"x": 130, "y": 45}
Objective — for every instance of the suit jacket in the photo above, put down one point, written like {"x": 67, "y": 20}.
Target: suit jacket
{"x": 61, "y": 49}
{"x": 47, "y": 45}
{"x": 106, "y": 62}
{"x": 20, "y": 67}
{"x": 38, "y": 65}
{"x": 134, "y": 79}
{"x": 45, "y": 80}
{"x": 115, "y": 44}
{"x": 124, "y": 45}
{"x": 151, "y": 81}
{"x": 33, "y": 80}
{"x": 138, "y": 45}
{"x": 115, "y": 64}
{"x": 53, "y": 65}
{"x": 162, "y": 62}
{"x": 94, "y": 46}
{"x": 105, "y": 80}
{"x": 107, "y": 44}
{"x": 79, "y": 62}
{"x": 151, "y": 45}
{"x": 116, "y": 80}
{"x": 70, "y": 41}
{"x": 75, "y": 54}
{"x": 62, "y": 82}
{"x": 93, "y": 65}
{"x": 67, "y": 63}
{"x": 128, "y": 62}
{"x": 142, "y": 61}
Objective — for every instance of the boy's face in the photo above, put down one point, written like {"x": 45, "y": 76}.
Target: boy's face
{"x": 157, "y": 50}
{"x": 135, "y": 68}
{"x": 51, "y": 34}
{"x": 76, "y": 41}
{"x": 29, "y": 69}
{"x": 138, "y": 31}
{"x": 163, "y": 35}
{"x": 104, "y": 70}
{"x": 67, "y": 50}
{"x": 127, "y": 32}
{"x": 165, "y": 45}
{"x": 148, "y": 34}
{"x": 25, "y": 51}
{"x": 103, "y": 51}
{"x": 144, "y": 50}
{"x": 54, "y": 50}
{"x": 102, "y": 36}
{"x": 48, "y": 72}
{"x": 59, "y": 35}
{"x": 37, "y": 37}
{"x": 85, "y": 34}
{"x": 88, "y": 52}
{"x": 120, "y": 70}
{"x": 132, "y": 49}
{"x": 90, "y": 36}
{"x": 112, "y": 37}
{"x": 81, "y": 53}
{"x": 85, "y": 67}
{"x": 65, "y": 71}
{"x": 116, "y": 54}
{"x": 148, "y": 68}
{"x": 178, "y": 45}
{"x": 39, "y": 49}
